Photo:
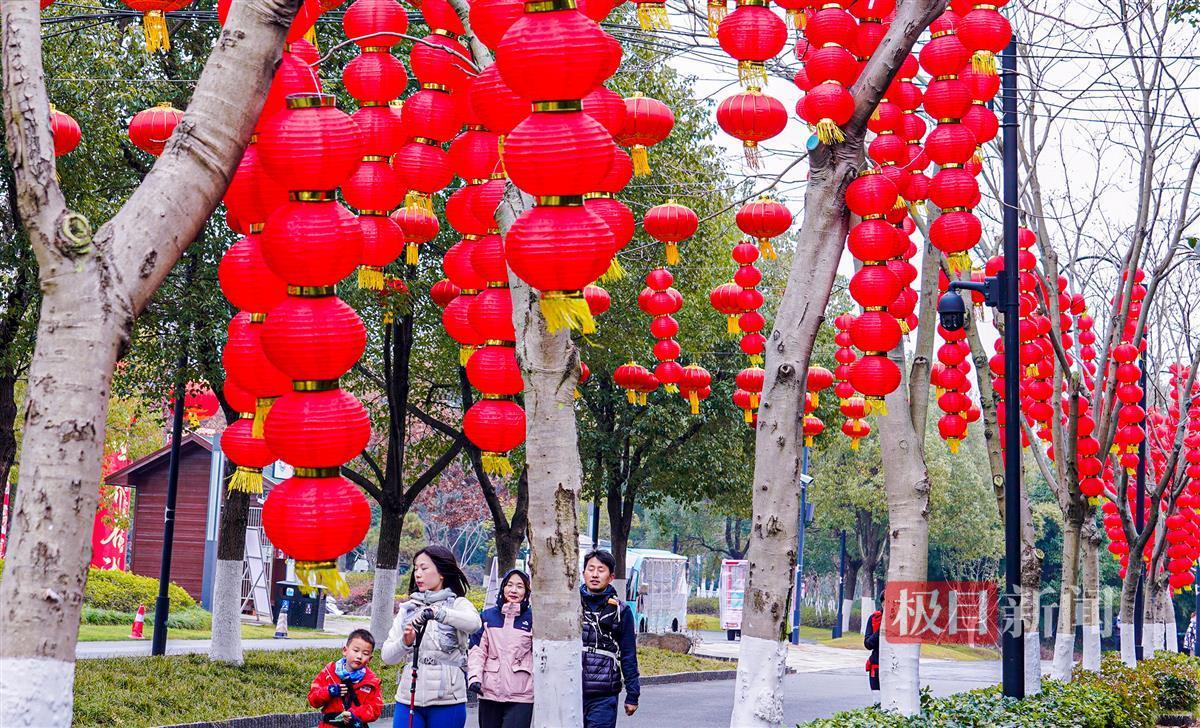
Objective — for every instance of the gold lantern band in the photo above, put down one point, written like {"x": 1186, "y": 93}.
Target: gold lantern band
{"x": 257, "y": 228}
{"x": 547, "y": 6}
{"x": 500, "y": 342}
{"x": 497, "y": 284}
{"x": 434, "y": 87}
{"x": 258, "y": 318}
{"x": 318, "y": 472}
{"x": 315, "y": 385}
{"x": 311, "y": 291}
{"x": 426, "y": 141}
{"x": 311, "y": 196}
{"x": 375, "y": 158}
{"x": 496, "y": 397}
{"x": 311, "y": 101}
{"x": 558, "y": 105}
{"x": 600, "y": 196}
{"x": 561, "y": 201}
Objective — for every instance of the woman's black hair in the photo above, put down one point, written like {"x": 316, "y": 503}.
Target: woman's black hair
{"x": 524, "y": 580}
{"x": 443, "y": 560}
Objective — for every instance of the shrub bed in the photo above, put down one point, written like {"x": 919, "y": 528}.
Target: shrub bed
{"x": 1116, "y": 696}
{"x": 704, "y": 605}
{"x": 122, "y": 591}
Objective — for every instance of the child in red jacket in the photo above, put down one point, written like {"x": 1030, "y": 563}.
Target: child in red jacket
{"x": 346, "y": 691}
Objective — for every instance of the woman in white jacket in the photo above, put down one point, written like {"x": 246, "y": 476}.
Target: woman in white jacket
{"x": 443, "y": 619}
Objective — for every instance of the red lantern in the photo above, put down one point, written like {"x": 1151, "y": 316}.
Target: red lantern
{"x": 494, "y": 370}
{"x": 315, "y": 520}
{"x": 312, "y": 243}
{"x": 693, "y": 382}
{"x": 598, "y": 300}
{"x": 495, "y": 426}
{"x": 875, "y": 376}
{"x": 764, "y": 219}
{"x": 606, "y": 107}
{"x": 246, "y": 280}
{"x": 419, "y": 226}
{"x": 670, "y": 223}
{"x": 984, "y": 32}
{"x": 553, "y": 55}
{"x": 752, "y": 35}
{"x": 375, "y": 77}
{"x": 752, "y": 117}
{"x": 249, "y": 453}
{"x": 65, "y": 132}
{"x": 813, "y": 426}
{"x": 151, "y": 128}
{"x": 647, "y": 122}
{"x": 375, "y": 23}
{"x": 557, "y": 153}
{"x": 443, "y": 292}
{"x": 383, "y": 241}
{"x": 311, "y": 146}
{"x": 491, "y": 19}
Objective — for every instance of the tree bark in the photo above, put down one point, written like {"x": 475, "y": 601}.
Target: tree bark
{"x": 1064, "y": 638}
{"x": 93, "y": 288}
{"x": 387, "y": 560}
{"x": 1091, "y": 597}
{"x": 550, "y": 367}
{"x": 779, "y": 439}
{"x": 227, "y": 587}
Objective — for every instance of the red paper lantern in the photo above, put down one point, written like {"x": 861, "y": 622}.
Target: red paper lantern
{"x": 246, "y": 280}
{"x": 553, "y": 55}
{"x": 316, "y": 520}
{"x": 313, "y": 339}
{"x": 670, "y": 223}
{"x": 494, "y": 370}
{"x": 312, "y": 243}
{"x": 441, "y": 60}
{"x": 65, "y": 132}
{"x": 375, "y": 23}
{"x": 606, "y": 107}
{"x": 491, "y": 19}
{"x": 490, "y": 315}
{"x": 495, "y": 426}
{"x": 875, "y": 377}
{"x": 984, "y": 32}
{"x": 376, "y": 77}
{"x": 151, "y": 128}
{"x": 752, "y": 34}
{"x": 383, "y": 242}
{"x": 443, "y": 292}
{"x": 557, "y": 153}
{"x": 647, "y": 122}
{"x": 752, "y": 117}
{"x": 312, "y": 145}
{"x": 497, "y": 105}
{"x": 430, "y": 114}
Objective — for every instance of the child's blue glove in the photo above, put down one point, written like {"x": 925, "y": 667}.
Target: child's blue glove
{"x": 335, "y": 690}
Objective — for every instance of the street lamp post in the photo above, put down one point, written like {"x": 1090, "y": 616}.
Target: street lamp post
{"x": 1001, "y": 292}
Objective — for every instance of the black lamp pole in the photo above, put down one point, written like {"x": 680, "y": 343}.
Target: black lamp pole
{"x": 1001, "y": 292}
{"x": 162, "y": 605}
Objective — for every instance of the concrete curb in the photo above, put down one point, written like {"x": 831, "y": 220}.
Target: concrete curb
{"x": 683, "y": 677}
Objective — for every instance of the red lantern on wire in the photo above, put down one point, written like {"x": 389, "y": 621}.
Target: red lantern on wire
{"x": 764, "y": 219}
{"x": 151, "y": 128}
{"x": 65, "y": 132}
{"x": 752, "y": 34}
{"x": 647, "y": 122}
{"x": 752, "y": 117}
{"x": 670, "y": 223}
{"x": 154, "y": 20}
{"x": 694, "y": 385}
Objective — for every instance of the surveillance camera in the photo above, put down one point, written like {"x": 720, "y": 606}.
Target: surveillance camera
{"x": 952, "y": 311}
{"x": 806, "y": 479}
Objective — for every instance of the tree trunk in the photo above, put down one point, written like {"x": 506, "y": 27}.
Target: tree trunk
{"x": 779, "y": 440}
{"x": 1153, "y": 637}
{"x": 387, "y": 560}
{"x": 550, "y": 367}
{"x": 849, "y": 585}
{"x": 1064, "y": 638}
{"x": 93, "y": 287}
{"x": 1031, "y": 589}
{"x": 1170, "y": 635}
{"x": 227, "y": 586}
{"x": 1128, "y": 592}
{"x": 906, "y": 482}
{"x": 8, "y": 421}
{"x": 1091, "y": 597}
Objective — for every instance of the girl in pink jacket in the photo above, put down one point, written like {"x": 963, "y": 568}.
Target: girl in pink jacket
{"x": 500, "y": 662}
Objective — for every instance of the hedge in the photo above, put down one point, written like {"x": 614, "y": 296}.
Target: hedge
{"x": 1116, "y": 696}
{"x": 122, "y": 591}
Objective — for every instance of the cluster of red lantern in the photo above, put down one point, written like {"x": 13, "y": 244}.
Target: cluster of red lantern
{"x": 1128, "y": 372}
{"x": 818, "y": 380}
{"x": 694, "y": 385}
{"x": 637, "y": 381}
{"x": 670, "y": 223}
{"x": 1182, "y": 526}
{"x": 764, "y": 219}
{"x": 311, "y": 242}
{"x": 749, "y": 383}
{"x": 376, "y": 78}
{"x": 954, "y": 385}
{"x": 555, "y": 56}
{"x": 749, "y": 300}
{"x": 608, "y": 108}
{"x": 830, "y": 68}
{"x": 659, "y": 300}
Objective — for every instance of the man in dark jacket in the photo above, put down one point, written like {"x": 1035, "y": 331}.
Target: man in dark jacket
{"x": 871, "y": 642}
{"x": 609, "y": 645}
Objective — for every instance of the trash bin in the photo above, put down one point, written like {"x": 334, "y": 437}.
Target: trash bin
{"x": 304, "y": 610}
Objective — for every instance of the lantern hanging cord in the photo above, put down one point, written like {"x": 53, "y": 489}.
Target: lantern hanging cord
{"x": 389, "y": 33}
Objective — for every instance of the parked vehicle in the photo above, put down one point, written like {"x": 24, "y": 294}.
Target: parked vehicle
{"x": 656, "y": 587}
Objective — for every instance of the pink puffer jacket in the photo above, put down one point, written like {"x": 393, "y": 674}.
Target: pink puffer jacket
{"x": 502, "y": 659}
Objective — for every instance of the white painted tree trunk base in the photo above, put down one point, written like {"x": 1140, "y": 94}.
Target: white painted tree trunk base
{"x": 383, "y": 603}
{"x": 1091, "y": 647}
{"x": 1033, "y": 663}
{"x": 899, "y": 676}
{"x": 757, "y": 696}
{"x": 1172, "y": 636}
{"x": 847, "y": 605}
{"x": 36, "y": 692}
{"x": 558, "y": 684}
{"x": 1064, "y": 656}
{"x": 868, "y": 608}
{"x": 1152, "y": 638}
{"x": 1128, "y": 650}
{"x": 227, "y": 613}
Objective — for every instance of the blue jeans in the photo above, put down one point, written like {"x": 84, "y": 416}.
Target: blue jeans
{"x": 600, "y": 712}
{"x": 431, "y": 716}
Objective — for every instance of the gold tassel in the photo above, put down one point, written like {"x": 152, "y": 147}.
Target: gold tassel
{"x": 310, "y": 35}
{"x": 755, "y": 360}
{"x": 829, "y": 132}
{"x": 631, "y": 396}
{"x": 854, "y": 443}
{"x": 767, "y": 248}
{"x": 671, "y": 388}
{"x": 247, "y": 480}
{"x": 312, "y": 574}
{"x": 388, "y": 317}
{"x": 1094, "y": 500}
{"x": 754, "y": 400}
{"x": 878, "y": 405}
{"x": 672, "y": 253}
{"x": 748, "y": 416}
{"x": 816, "y": 399}
{"x": 952, "y": 443}
{"x": 641, "y": 160}
{"x": 262, "y": 407}
{"x": 370, "y": 278}
{"x": 984, "y": 62}
{"x": 795, "y": 19}
{"x": 567, "y": 312}
{"x": 716, "y": 13}
{"x": 418, "y": 200}
{"x": 653, "y": 16}
{"x": 643, "y": 398}
{"x": 464, "y": 354}
{"x": 614, "y": 272}
{"x": 577, "y": 393}
{"x": 752, "y": 74}
{"x": 731, "y": 324}
{"x": 496, "y": 464}
{"x": 752, "y": 155}
{"x": 694, "y": 400}
{"x": 154, "y": 26}
{"x": 410, "y": 253}
{"x": 808, "y": 440}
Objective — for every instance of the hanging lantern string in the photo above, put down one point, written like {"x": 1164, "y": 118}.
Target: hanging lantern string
{"x": 405, "y": 36}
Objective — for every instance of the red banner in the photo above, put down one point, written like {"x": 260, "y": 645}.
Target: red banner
{"x": 945, "y": 612}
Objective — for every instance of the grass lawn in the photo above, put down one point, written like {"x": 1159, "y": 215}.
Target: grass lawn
{"x": 154, "y": 691}
{"x": 115, "y": 632}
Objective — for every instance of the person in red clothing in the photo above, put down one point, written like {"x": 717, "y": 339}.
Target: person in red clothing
{"x": 346, "y": 691}
{"x": 871, "y": 642}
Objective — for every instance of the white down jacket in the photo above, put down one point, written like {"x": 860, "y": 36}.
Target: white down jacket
{"x": 442, "y": 657}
